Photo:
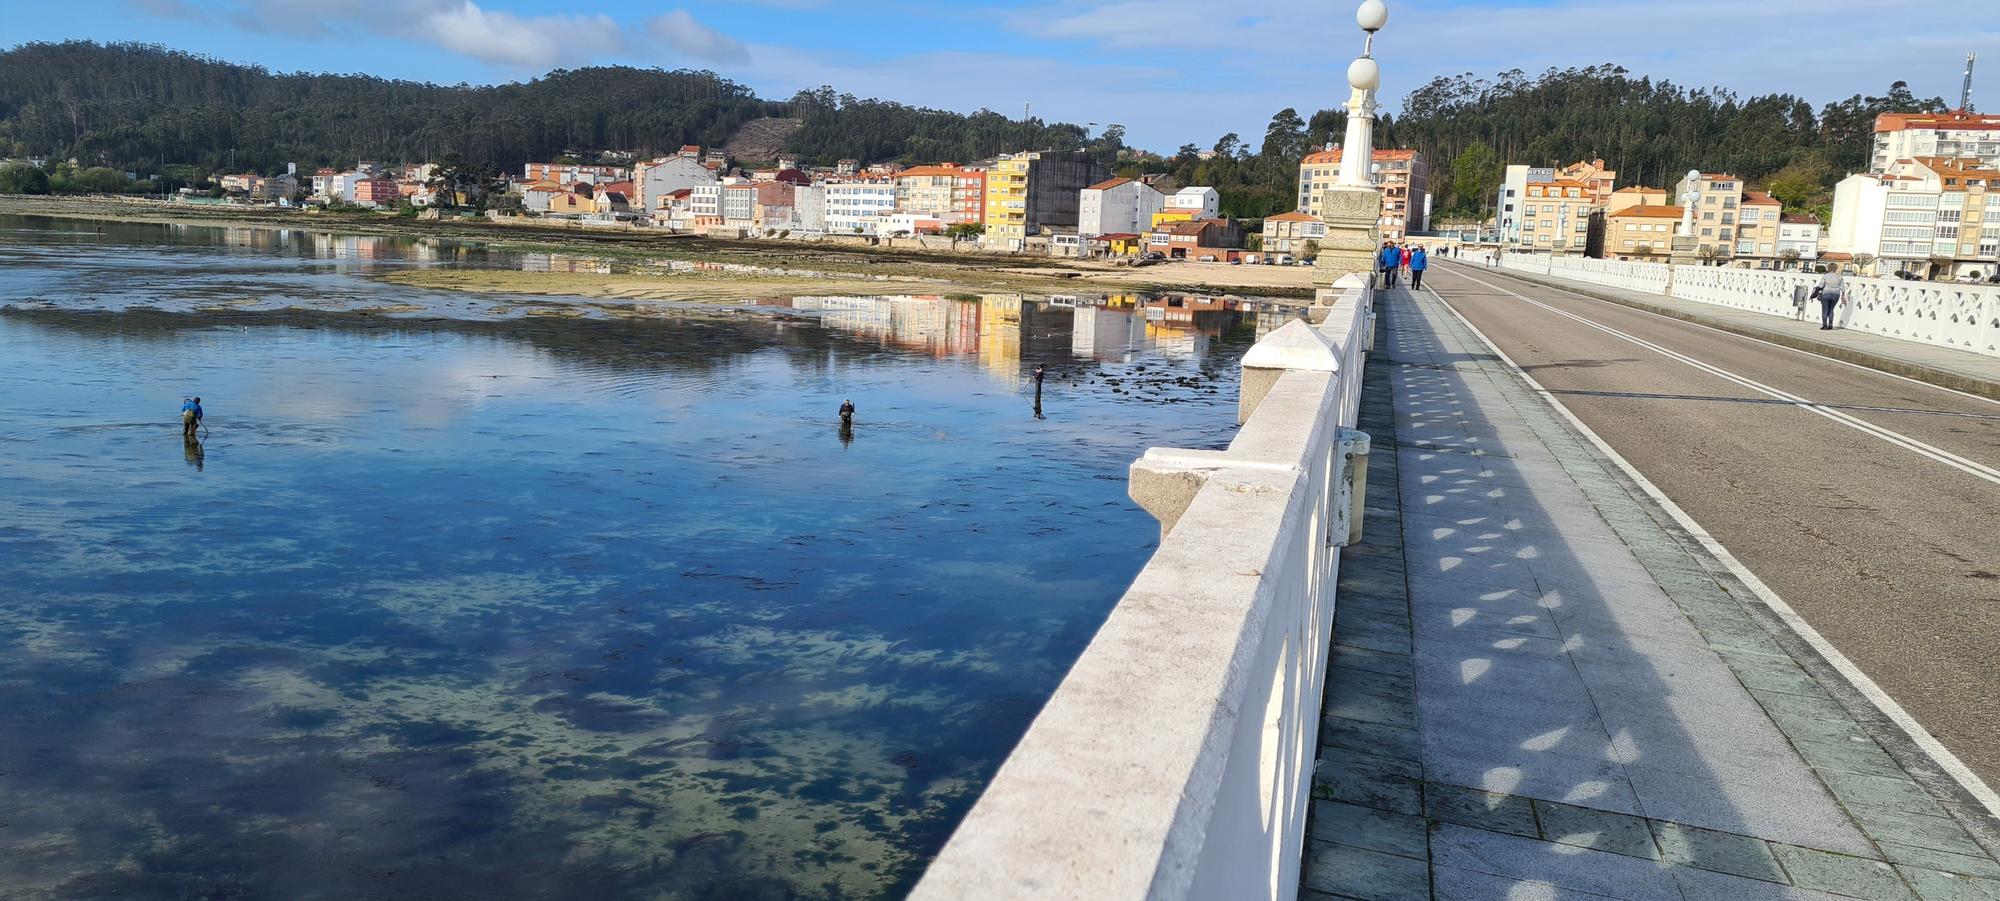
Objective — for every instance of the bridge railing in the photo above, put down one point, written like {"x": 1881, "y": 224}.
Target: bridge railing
{"x": 1175, "y": 760}
{"x": 1945, "y": 314}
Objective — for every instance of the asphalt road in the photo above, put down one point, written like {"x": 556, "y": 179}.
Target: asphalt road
{"x": 1887, "y": 543}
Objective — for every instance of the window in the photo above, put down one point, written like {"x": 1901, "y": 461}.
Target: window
{"x": 1708, "y": 216}
{"x": 1950, "y": 215}
{"x": 1947, "y": 231}
{"x": 1708, "y": 232}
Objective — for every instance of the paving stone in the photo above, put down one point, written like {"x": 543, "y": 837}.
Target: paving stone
{"x": 1932, "y": 885}
{"x": 1373, "y": 766}
{"x": 1454, "y": 884}
{"x": 1569, "y": 867}
{"x": 1722, "y": 852}
{"x": 1601, "y": 830}
{"x": 1366, "y": 827}
{"x": 1962, "y": 864}
{"x": 1341, "y": 678}
{"x": 1888, "y": 824}
{"x": 1374, "y": 702}
{"x": 1344, "y": 775}
{"x": 1808, "y": 719}
{"x": 1486, "y": 810}
{"x": 1706, "y": 885}
{"x": 1849, "y": 757}
{"x": 1840, "y": 874}
{"x": 1373, "y": 661}
{"x": 1372, "y": 738}
{"x": 1897, "y": 792}
{"x": 1799, "y": 813}
{"x": 1350, "y": 872}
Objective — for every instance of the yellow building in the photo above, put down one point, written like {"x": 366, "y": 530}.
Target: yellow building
{"x": 1641, "y": 232}
{"x": 1007, "y": 201}
{"x": 1556, "y": 215}
{"x": 1626, "y": 198}
{"x": 1174, "y": 215}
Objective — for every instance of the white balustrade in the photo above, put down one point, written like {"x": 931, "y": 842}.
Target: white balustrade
{"x": 1175, "y": 760}
{"x": 1945, "y": 314}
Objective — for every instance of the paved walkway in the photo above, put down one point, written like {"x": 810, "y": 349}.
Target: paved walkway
{"x": 1950, "y": 367}
{"x": 1542, "y": 689}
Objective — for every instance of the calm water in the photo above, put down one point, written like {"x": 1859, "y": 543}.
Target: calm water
{"x": 532, "y": 609}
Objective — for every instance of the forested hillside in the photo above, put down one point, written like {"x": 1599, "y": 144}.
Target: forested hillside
{"x": 147, "y": 109}
{"x": 141, "y": 107}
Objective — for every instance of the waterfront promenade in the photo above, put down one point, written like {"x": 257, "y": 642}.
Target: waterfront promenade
{"x": 1544, "y": 684}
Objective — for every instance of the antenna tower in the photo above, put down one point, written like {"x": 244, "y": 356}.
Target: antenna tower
{"x": 1965, "y": 94}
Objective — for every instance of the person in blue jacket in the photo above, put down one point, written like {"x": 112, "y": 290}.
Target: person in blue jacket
{"x": 1419, "y": 261}
{"x": 190, "y": 417}
{"x": 1391, "y": 260}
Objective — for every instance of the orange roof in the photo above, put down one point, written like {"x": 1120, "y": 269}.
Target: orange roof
{"x": 1798, "y": 219}
{"x": 1649, "y": 211}
{"x": 1960, "y": 167}
{"x": 1956, "y": 119}
{"x": 1561, "y": 183}
{"x": 1294, "y": 216}
{"x": 1108, "y": 184}
{"x": 1333, "y": 156}
{"x": 1187, "y": 227}
{"x": 1639, "y": 190}
{"x": 939, "y": 169}
{"x": 1759, "y": 198}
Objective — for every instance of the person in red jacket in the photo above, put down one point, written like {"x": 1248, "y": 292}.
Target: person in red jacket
{"x": 1406, "y": 259}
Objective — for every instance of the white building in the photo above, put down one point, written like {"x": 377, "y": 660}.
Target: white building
{"x": 1902, "y": 136}
{"x": 1207, "y": 202}
{"x": 705, "y": 205}
{"x": 1510, "y": 205}
{"x": 1800, "y": 234}
{"x": 1920, "y": 211}
{"x": 809, "y": 207}
{"x": 854, "y": 207}
{"x": 654, "y": 180}
{"x": 1117, "y": 207}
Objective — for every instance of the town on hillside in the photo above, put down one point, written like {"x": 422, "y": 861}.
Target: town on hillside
{"x": 1925, "y": 208}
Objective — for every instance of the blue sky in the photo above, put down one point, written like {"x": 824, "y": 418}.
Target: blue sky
{"x": 1171, "y": 71}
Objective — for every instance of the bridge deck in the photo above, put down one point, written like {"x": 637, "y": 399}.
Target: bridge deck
{"x": 1544, "y": 685}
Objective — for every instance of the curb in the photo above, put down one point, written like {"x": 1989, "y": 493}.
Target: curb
{"x": 1941, "y": 377}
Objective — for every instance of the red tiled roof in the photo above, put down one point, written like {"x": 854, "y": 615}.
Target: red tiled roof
{"x": 1294, "y": 216}
{"x": 1956, "y": 119}
{"x": 1649, "y": 211}
{"x": 1108, "y": 184}
{"x": 1333, "y": 156}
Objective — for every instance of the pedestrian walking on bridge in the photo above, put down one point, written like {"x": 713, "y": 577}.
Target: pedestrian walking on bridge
{"x": 1390, "y": 258}
{"x": 1828, "y": 293}
{"x": 1419, "y": 261}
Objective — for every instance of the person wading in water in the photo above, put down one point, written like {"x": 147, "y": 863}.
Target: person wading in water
{"x": 190, "y": 417}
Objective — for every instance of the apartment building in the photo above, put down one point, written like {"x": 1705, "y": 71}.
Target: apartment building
{"x": 1949, "y": 135}
{"x": 1117, "y": 206}
{"x": 855, "y": 206}
{"x": 1931, "y": 216}
{"x": 654, "y": 180}
{"x": 1625, "y": 198}
{"x": 1642, "y": 232}
{"x": 1291, "y": 233}
{"x": 1555, "y": 216}
{"x": 1798, "y": 238}
{"x": 1509, "y": 206}
{"x": 1029, "y": 192}
{"x": 1592, "y": 173}
{"x": 1721, "y": 196}
{"x": 1403, "y": 175}
{"x": 947, "y": 192}
{"x": 569, "y": 173}
{"x": 1758, "y": 217}
{"x": 1199, "y": 202}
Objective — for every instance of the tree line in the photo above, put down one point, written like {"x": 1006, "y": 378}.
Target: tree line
{"x": 161, "y": 112}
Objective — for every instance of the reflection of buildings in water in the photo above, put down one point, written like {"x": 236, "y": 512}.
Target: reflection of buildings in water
{"x": 1106, "y": 334}
{"x": 927, "y": 323}
{"x": 564, "y": 262}
{"x": 1000, "y": 335}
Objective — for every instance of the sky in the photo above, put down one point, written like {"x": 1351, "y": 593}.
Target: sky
{"x": 1170, "y": 71}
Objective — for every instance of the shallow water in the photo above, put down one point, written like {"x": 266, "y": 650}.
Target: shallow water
{"x": 535, "y": 609}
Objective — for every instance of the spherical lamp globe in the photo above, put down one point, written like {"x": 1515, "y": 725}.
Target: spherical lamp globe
{"x": 1372, "y": 15}
{"x": 1363, "y": 74}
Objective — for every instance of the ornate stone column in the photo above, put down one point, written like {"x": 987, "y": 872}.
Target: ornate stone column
{"x": 1352, "y": 207}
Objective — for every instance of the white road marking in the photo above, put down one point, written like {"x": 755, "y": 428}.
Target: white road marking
{"x": 1924, "y": 740}
{"x": 1722, "y": 331}
{"x": 1972, "y": 467}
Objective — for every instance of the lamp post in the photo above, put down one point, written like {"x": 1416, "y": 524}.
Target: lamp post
{"x": 1363, "y": 76}
{"x": 1351, "y": 206}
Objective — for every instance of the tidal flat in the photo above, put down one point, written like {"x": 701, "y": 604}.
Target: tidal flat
{"x": 457, "y": 602}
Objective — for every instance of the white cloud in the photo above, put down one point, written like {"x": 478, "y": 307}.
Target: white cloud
{"x": 537, "y": 42}
{"x": 681, "y": 32}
